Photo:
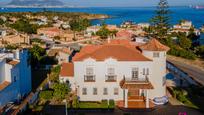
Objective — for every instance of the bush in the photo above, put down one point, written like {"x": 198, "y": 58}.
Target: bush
{"x": 60, "y": 90}
{"x": 111, "y": 104}
{"x": 46, "y": 95}
{"x": 104, "y": 104}
{"x": 75, "y": 102}
{"x": 182, "y": 53}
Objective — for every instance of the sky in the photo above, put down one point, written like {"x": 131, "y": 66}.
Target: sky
{"x": 126, "y": 3}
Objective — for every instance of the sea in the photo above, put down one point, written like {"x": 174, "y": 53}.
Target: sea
{"x": 121, "y": 14}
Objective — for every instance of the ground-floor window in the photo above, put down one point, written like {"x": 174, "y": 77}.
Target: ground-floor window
{"x": 116, "y": 91}
{"x": 94, "y": 91}
{"x": 84, "y": 91}
{"x": 105, "y": 91}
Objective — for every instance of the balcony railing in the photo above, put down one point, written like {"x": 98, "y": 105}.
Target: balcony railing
{"x": 111, "y": 78}
{"x": 89, "y": 78}
{"x": 137, "y": 79}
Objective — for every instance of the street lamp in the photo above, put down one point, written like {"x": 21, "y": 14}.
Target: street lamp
{"x": 65, "y": 101}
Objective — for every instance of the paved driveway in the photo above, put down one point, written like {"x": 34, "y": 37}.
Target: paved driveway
{"x": 196, "y": 73}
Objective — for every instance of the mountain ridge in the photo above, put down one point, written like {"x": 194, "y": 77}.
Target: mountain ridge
{"x": 36, "y": 3}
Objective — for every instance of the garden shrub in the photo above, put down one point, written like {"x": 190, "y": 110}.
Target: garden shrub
{"x": 111, "y": 104}
{"x": 46, "y": 95}
{"x": 75, "y": 102}
{"x": 104, "y": 104}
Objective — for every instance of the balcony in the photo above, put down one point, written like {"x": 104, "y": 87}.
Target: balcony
{"x": 111, "y": 78}
{"x": 89, "y": 78}
{"x": 136, "y": 80}
{"x": 136, "y": 83}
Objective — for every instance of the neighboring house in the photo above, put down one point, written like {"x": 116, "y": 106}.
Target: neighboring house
{"x": 141, "y": 40}
{"x": 51, "y": 32}
{"x": 185, "y": 27}
{"x": 144, "y": 25}
{"x": 17, "y": 39}
{"x": 131, "y": 75}
{"x": 126, "y": 34}
{"x": 15, "y": 76}
{"x": 62, "y": 54}
{"x": 92, "y": 30}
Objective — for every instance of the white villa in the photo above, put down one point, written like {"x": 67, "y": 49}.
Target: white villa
{"x": 131, "y": 75}
{"x": 185, "y": 27}
{"x": 15, "y": 76}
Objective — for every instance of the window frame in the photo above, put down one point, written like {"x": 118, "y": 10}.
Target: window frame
{"x": 84, "y": 91}
{"x": 105, "y": 91}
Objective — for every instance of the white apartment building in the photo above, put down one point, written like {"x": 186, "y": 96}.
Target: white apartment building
{"x": 131, "y": 75}
{"x": 15, "y": 76}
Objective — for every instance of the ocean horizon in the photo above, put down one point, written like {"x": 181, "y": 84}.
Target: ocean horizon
{"x": 121, "y": 14}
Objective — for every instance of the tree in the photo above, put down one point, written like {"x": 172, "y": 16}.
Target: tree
{"x": 37, "y": 54}
{"x": 60, "y": 90}
{"x": 160, "y": 21}
{"x": 23, "y": 25}
{"x": 103, "y": 32}
{"x": 184, "y": 42}
{"x": 78, "y": 24}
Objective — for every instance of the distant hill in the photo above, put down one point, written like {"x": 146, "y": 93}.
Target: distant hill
{"x": 36, "y": 3}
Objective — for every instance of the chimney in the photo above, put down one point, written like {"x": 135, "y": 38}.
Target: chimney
{"x": 108, "y": 39}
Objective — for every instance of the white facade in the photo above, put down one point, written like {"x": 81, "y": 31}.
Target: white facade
{"x": 17, "y": 74}
{"x": 101, "y": 80}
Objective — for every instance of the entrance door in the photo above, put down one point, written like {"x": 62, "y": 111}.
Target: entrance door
{"x": 134, "y": 92}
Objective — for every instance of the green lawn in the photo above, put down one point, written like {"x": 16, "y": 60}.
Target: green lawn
{"x": 94, "y": 105}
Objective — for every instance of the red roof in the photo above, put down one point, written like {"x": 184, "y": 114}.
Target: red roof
{"x": 154, "y": 45}
{"x": 120, "y": 50}
{"x": 67, "y": 70}
{"x": 124, "y": 33}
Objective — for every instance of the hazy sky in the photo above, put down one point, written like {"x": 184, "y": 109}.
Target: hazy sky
{"x": 107, "y": 3}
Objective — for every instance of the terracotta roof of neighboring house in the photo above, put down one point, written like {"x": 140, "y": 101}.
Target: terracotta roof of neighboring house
{"x": 67, "y": 70}
{"x": 121, "y": 51}
{"x": 4, "y": 85}
{"x": 124, "y": 33}
{"x": 154, "y": 45}
{"x": 12, "y": 62}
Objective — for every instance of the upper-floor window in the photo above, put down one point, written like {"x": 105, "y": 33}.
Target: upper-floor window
{"x": 110, "y": 77}
{"x": 89, "y": 77}
{"x": 135, "y": 73}
{"x": 111, "y": 71}
{"x": 84, "y": 91}
{"x": 94, "y": 91}
{"x": 116, "y": 91}
{"x": 145, "y": 71}
{"x": 89, "y": 71}
{"x": 105, "y": 91}
{"x": 156, "y": 54}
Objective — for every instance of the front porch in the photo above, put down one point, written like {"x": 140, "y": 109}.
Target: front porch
{"x": 136, "y": 94}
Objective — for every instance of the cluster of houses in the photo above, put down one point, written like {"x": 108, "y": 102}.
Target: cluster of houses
{"x": 129, "y": 68}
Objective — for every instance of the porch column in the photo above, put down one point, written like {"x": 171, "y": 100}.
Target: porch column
{"x": 126, "y": 98}
{"x": 147, "y": 99}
